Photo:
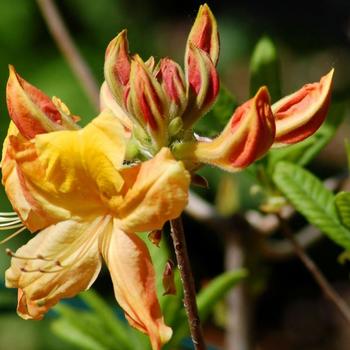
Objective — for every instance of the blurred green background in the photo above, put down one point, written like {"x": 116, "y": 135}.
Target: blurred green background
{"x": 311, "y": 36}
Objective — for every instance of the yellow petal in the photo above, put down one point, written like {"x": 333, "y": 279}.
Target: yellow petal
{"x": 57, "y": 263}
{"x": 133, "y": 279}
{"x": 73, "y": 173}
{"x": 157, "y": 192}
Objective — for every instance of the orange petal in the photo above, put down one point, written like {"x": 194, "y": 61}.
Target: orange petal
{"x": 31, "y": 110}
{"x": 133, "y": 277}
{"x": 57, "y": 263}
{"x": 300, "y": 114}
{"x": 156, "y": 191}
{"x": 247, "y": 136}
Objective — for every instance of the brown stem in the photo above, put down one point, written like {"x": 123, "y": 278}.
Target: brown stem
{"x": 178, "y": 237}
{"x": 65, "y": 43}
{"x": 318, "y": 276}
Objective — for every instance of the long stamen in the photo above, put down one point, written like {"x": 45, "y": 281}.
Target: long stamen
{"x": 10, "y": 253}
{"x": 13, "y": 235}
{"x": 10, "y": 213}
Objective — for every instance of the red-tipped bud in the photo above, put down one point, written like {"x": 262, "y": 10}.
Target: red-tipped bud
{"x": 247, "y": 137}
{"x": 300, "y": 114}
{"x": 171, "y": 78}
{"x": 30, "y": 109}
{"x": 203, "y": 84}
{"x": 204, "y": 34}
{"x": 147, "y": 103}
{"x": 117, "y": 66}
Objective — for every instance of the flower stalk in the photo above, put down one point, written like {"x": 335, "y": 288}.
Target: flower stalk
{"x": 183, "y": 262}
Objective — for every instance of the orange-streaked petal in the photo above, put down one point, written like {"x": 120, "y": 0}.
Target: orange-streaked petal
{"x": 57, "y": 263}
{"x": 28, "y": 208}
{"x": 204, "y": 34}
{"x": 300, "y": 114}
{"x": 31, "y": 110}
{"x": 247, "y": 136}
{"x": 133, "y": 277}
{"x": 156, "y": 191}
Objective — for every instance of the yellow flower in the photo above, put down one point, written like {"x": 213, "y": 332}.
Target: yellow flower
{"x": 73, "y": 186}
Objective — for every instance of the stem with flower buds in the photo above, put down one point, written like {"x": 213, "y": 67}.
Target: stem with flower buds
{"x": 179, "y": 241}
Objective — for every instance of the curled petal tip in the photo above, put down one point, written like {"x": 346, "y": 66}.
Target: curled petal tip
{"x": 300, "y": 114}
{"x": 30, "y": 109}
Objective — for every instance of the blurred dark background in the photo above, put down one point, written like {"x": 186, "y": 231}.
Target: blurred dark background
{"x": 311, "y": 36}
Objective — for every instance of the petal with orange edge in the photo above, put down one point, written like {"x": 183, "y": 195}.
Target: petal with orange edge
{"x": 247, "y": 136}
{"x": 156, "y": 191}
{"x": 133, "y": 277}
{"x": 57, "y": 263}
{"x": 29, "y": 210}
{"x": 300, "y": 114}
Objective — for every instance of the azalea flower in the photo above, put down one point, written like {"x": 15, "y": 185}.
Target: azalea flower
{"x": 88, "y": 196}
{"x": 72, "y": 187}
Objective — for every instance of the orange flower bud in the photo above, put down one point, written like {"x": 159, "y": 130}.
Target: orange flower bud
{"x": 147, "y": 103}
{"x": 117, "y": 66}
{"x": 300, "y": 114}
{"x": 171, "y": 78}
{"x": 204, "y": 34}
{"x": 30, "y": 109}
{"x": 247, "y": 136}
{"x": 203, "y": 84}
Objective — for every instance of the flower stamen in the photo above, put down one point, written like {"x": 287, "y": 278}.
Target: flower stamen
{"x": 16, "y": 233}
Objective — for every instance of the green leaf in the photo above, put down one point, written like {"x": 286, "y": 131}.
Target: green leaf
{"x": 104, "y": 313}
{"x": 216, "y": 290}
{"x": 342, "y": 202}
{"x": 88, "y": 324}
{"x": 309, "y": 196}
{"x": 265, "y": 68}
{"x": 75, "y": 336}
{"x": 216, "y": 119}
{"x": 303, "y": 152}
